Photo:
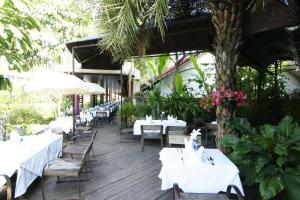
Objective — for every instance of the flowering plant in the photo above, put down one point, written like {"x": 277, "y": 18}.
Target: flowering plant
{"x": 223, "y": 96}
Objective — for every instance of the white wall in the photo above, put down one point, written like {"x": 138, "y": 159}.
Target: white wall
{"x": 206, "y": 62}
{"x": 291, "y": 83}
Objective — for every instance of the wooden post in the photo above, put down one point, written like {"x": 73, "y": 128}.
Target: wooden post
{"x": 73, "y": 70}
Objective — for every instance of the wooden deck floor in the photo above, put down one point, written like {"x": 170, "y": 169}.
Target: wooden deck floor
{"x": 121, "y": 171}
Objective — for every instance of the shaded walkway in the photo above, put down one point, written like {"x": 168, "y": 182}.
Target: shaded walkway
{"x": 121, "y": 171}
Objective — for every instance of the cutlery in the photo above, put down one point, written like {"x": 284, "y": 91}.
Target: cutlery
{"x": 181, "y": 150}
{"x": 182, "y": 160}
{"x": 212, "y": 160}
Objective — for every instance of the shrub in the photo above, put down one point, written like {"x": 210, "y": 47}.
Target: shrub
{"x": 269, "y": 156}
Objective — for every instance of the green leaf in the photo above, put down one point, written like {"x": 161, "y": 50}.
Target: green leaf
{"x": 245, "y": 147}
{"x": 281, "y": 149}
{"x": 261, "y": 162}
{"x": 229, "y": 140}
{"x": 242, "y": 125}
{"x": 292, "y": 183}
{"x": 179, "y": 82}
{"x": 162, "y": 63}
{"x": 286, "y": 126}
{"x": 270, "y": 186}
{"x": 281, "y": 160}
{"x": 267, "y": 130}
{"x": 5, "y": 83}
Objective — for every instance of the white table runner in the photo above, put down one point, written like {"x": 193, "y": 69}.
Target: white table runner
{"x": 165, "y": 123}
{"x": 201, "y": 177}
{"x": 28, "y": 158}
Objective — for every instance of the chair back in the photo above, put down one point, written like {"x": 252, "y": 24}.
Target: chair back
{"x": 85, "y": 156}
{"x": 151, "y": 128}
{"x": 211, "y": 126}
{"x": 176, "y": 130}
{"x": 9, "y": 187}
{"x": 101, "y": 114}
{"x": 94, "y": 134}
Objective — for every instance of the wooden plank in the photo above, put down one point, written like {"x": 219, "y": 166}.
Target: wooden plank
{"x": 120, "y": 171}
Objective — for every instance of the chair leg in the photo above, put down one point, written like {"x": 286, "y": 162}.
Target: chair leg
{"x": 142, "y": 143}
{"x": 86, "y": 172}
{"x": 79, "y": 192}
{"x": 161, "y": 142}
{"x": 42, "y": 187}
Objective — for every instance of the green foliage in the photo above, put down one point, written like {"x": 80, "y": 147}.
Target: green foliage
{"x": 16, "y": 47}
{"x": 155, "y": 101}
{"x": 67, "y": 103}
{"x": 178, "y": 82}
{"x": 269, "y": 156}
{"x": 141, "y": 110}
{"x": 202, "y": 77}
{"x": 152, "y": 66}
{"x": 5, "y": 83}
{"x": 27, "y": 116}
{"x": 263, "y": 96}
{"x": 61, "y": 22}
{"x": 128, "y": 112}
{"x": 125, "y": 20}
{"x": 182, "y": 105}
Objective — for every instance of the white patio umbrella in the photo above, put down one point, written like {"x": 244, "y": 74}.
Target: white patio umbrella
{"x": 94, "y": 88}
{"x": 55, "y": 83}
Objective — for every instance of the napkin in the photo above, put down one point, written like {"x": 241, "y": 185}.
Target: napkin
{"x": 148, "y": 119}
{"x": 191, "y": 156}
{"x": 172, "y": 119}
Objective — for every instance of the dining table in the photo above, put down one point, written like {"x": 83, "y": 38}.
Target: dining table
{"x": 62, "y": 124}
{"x": 164, "y": 123}
{"x": 27, "y": 157}
{"x": 211, "y": 173}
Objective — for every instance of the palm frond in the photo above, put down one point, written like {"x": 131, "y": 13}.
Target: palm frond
{"x": 121, "y": 24}
{"x": 178, "y": 82}
{"x": 162, "y": 63}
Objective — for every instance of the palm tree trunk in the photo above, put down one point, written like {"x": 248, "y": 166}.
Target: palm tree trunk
{"x": 227, "y": 16}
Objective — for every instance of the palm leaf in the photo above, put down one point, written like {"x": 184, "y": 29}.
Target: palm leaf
{"x": 162, "y": 63}
{"x": 178, "y": 82}
{"x": 121, "y": 24}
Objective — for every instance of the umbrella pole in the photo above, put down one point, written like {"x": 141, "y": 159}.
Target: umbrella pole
{"x": 73, "y": 66}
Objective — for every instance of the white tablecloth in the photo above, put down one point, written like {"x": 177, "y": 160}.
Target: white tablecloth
{"x": 86, "y": 116}
{"x": 165, "y": 123}
{"x": 200, "y": 177}
{"x": 28, "y": 158}
{"x": 62, "y": 124}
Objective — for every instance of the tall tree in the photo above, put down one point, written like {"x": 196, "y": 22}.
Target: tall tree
{"x": 227, "y": 18}
{"x": 125, "y": 20}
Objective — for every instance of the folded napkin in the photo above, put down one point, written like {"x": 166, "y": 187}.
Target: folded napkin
{"x": 148, "y": 119}
{"x": 191, "y": 156}
{"x": 172, "y": 119}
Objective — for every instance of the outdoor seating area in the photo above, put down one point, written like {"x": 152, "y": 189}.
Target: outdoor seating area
{"x": 150, "y": 100}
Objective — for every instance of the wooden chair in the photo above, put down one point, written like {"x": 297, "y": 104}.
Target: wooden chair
{"x": 80, "y": 122}
{"x": 151, "y": 132}
{"x": 78, "y": 147}
{"x": 180, "y": 195}
{"x": 8, "y": 187}
{"x": 67, "y": 168}
{"x": 176, "y": 135}
{"x": 101, "y": 116}
{"x": 210, "y": 132}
